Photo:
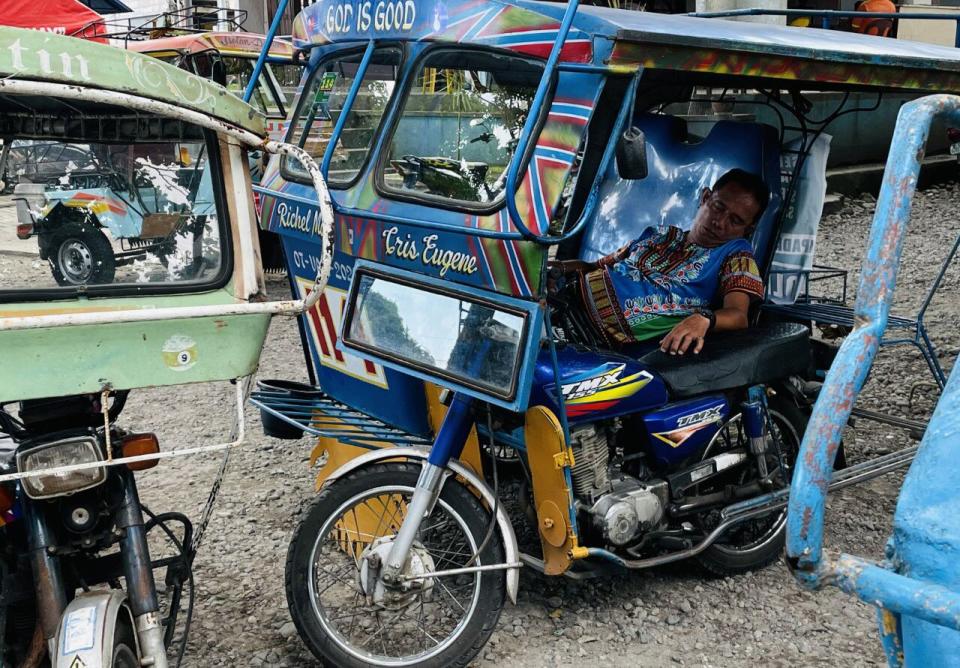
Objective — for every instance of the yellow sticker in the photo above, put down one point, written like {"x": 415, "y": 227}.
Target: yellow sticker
{"x": 179, "y": 352}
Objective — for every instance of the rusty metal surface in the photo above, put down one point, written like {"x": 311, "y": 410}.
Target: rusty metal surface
{"x": 919, "y": 581}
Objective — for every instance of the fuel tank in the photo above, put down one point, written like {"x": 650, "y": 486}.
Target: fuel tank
{"x": 680, "y": 429}
{"x": 597, "y": 385}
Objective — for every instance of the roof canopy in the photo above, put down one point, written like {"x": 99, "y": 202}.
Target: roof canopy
{"x": 60, "y": 17}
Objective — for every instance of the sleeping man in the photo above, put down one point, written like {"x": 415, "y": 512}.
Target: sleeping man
{"x": 681, "y": 285}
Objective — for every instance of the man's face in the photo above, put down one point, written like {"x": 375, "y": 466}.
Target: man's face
{"x": 724, "y": 215}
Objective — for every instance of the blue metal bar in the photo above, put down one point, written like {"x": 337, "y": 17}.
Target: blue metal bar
{"x": 562, "y": 408}
{"x": 258, "y": 67}
{"x": 453, "y": 432}
{"x": 533, "y": 116}
{"x": 926, "y": 539}
{"x": 345, "y": 110}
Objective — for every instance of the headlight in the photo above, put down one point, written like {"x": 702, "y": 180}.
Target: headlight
{"x": 54, "y": 455}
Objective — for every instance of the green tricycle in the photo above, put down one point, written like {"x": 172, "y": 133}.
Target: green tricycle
{"x": 72, "y": 526}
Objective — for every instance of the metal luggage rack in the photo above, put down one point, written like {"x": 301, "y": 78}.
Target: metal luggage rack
{"x": 167, "y": 24}
{"x": 322, "y": 415}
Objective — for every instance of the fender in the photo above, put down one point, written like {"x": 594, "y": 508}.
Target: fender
{"x": 87, "y": 630}
{"x": 474, "y": 481}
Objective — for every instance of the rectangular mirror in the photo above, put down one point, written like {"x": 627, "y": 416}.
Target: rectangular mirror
{"x": 439, "y": 331}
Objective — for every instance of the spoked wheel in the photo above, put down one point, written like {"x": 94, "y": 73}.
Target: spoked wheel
{"x": 347, "y": 616}
{"x": 755, "y": 543}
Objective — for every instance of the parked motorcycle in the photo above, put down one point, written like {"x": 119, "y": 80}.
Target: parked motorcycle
{"x": 75, "y": 566}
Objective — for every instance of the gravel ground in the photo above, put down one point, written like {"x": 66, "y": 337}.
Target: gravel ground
{"x": 673, "y": 615}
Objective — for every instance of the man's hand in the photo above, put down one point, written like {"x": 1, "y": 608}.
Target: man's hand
{"x": 688, "y": 332}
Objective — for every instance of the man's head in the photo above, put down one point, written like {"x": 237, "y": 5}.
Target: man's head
{"x": 730, "y": 209}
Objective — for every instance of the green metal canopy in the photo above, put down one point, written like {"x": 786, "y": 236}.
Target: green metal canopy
{"x": 39, "y": 56}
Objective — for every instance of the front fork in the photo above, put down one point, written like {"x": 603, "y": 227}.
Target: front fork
{"x": 138, "y": 572}
{"x": 447, "y": 445}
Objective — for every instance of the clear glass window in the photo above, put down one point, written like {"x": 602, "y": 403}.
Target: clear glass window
{"x": 460, "y": 126}
{"x": 109, "y": 214}
{"x": 234, "y": 73}
{"x": 320, "y": 107}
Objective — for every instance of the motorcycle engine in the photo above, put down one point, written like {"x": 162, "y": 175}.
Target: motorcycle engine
{"x": 620, "y": 506}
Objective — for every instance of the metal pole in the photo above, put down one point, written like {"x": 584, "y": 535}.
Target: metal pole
{"x": 258, "y": 67}
{"x": 345, "y": 109}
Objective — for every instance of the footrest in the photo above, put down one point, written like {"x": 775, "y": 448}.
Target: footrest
{"x": 288, "y": 410}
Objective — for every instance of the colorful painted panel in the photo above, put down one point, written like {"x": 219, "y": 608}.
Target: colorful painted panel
{"x": 506, "y": 266}
{"x": 654, "y": 56}
{"x": 467, "y": 21}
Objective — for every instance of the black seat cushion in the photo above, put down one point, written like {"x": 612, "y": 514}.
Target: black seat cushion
{"x": 735, "y": 359}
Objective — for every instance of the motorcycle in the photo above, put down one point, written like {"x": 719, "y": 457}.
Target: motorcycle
{"x": 65, "y": 533}
{"x": 394, "y": 561}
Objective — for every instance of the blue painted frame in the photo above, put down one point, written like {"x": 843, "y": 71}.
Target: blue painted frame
{"x": 529, "y": 346}
{"x": 918, "y": 584}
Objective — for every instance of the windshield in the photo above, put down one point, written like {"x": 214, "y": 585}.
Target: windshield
{"x": 276, "y": 84}
{"x": 108, "y": 214}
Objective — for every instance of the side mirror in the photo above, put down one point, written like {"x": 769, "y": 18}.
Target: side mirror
{"x": 632, "y": 154}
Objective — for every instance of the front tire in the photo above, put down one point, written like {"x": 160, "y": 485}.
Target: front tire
{"x": 446, "y": 622}
{"x": 124, "y": 648}
{"x": 757, "y": 543}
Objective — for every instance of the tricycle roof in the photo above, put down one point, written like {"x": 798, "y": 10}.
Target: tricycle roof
{"x": 625, "y": 39}
{"x": 247, "y": 45}
{"x": 40, "y": 56}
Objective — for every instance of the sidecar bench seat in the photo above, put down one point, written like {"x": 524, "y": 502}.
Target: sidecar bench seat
{"x": 735, "y": 359}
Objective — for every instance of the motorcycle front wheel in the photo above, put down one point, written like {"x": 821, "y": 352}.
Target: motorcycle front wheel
{"x": 346, "y": 621}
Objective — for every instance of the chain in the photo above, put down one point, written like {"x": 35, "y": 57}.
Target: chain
{"x": 215, "y": 489}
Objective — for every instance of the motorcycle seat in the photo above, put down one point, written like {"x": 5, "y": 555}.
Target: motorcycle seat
{"x": 729, "y": 360}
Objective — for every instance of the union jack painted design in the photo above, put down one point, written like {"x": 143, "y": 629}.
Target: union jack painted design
{"x": 513, "y": 28}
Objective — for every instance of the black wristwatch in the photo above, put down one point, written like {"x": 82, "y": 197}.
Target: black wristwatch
{"x": 709, "y": 315}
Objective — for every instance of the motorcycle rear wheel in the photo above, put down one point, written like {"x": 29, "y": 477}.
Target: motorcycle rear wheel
{"x": 757, "y": 543}
{"x": 445, "y": 625}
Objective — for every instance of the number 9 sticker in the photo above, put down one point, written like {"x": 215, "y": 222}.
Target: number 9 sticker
{"x": 179, "y": 352}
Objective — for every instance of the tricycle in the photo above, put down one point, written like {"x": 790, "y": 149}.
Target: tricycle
{"x": 78, "y": 584}
{"x": 443, "y": 339}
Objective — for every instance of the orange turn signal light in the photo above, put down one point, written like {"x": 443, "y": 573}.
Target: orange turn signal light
{"x": 7, "y": 499}
{"x": 140, "y": 444}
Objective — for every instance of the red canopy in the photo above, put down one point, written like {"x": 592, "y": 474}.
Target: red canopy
{"x": 63, "y": 17}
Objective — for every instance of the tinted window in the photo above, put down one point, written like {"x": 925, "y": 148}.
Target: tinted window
{"x": 460, "y": 125}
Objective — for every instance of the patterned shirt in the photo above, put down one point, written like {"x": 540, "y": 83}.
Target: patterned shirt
{"x": 643, "y": 290}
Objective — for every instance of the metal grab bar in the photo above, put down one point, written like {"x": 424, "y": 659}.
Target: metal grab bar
{"x": 532, "y": 117}
{"x": 844, "y": 381}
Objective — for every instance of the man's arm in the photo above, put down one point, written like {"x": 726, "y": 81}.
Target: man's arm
{"x": 691, "y": 330}
{"x": 582, "y": 265}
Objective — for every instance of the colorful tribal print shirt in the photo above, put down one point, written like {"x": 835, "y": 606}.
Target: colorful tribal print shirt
{"x": 644, "y": 289}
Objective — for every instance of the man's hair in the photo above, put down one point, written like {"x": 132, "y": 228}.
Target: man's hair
{"x": 752, "y": 183}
